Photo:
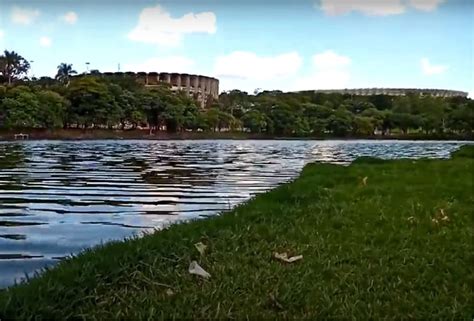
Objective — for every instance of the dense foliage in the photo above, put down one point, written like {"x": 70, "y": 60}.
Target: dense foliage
{"x": 119, "y": 102}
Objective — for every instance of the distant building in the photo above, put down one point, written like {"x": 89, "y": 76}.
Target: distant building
{"x": 395, "y": 92}
{"x": 200, "y": 87}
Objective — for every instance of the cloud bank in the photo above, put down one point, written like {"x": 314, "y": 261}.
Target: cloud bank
{"x": 24, "y": 16}
{"x": 430, "y": 69}
{"x": 157, "y": 26}
{"x": 375, "y": 7}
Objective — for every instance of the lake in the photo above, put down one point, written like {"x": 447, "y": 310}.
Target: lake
{"x": 59, "y": 197}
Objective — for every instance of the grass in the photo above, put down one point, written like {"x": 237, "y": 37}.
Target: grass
{"x": 382, "y": 250}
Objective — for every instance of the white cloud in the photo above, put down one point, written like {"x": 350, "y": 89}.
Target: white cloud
{"x": 70, "y": 17}
{"x": 375, "y": 7}
{"x": 249, "y": 71}
{"x": 330, "y": 60}
{"x": 248, "y": 65}
{"x": 369, "y": 7}
{"x": 45, "y": 41}
{"x": 329, "y": 71}
{"x": 2, "y": 34}
{"x": 325, "y": 79}
{"x": 430, "y": 69}
{"x": 425, "y": 5}
{"x": 156, "y": 26}
{"x": 24, "y": 16}
{"x": 179, "y": 64}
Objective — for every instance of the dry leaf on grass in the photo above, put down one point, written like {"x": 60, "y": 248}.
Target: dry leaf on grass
{"x": 201, "y": 247}
{"x": 441, "y": 216}
{"x": 284, "y": 257}
{"x": 412, "y": 220}
{"x": 196, "y": 269}
{"x": 364, "y": 181}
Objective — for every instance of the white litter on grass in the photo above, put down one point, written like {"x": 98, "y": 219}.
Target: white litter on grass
{"x": 284, "y": 257}
{"x": 201, "y": 247}
{"x": 196, "y": 269}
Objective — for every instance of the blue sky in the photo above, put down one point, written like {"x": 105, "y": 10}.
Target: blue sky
{"x": 286, "y": 45}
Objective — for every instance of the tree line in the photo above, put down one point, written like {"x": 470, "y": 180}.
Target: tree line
{"x": 120, "y": 102}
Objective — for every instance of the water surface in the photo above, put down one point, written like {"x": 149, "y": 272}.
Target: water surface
{"x": 58, "y": 197}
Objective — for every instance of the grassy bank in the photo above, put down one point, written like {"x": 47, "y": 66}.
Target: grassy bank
{"x": 379, "y": 239}
{"x": 96, "y": 134}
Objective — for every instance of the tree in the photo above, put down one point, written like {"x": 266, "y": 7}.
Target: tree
{"x": 153, "y": 105}
{"x": 228, "y": 121}
{"x": 402, "y": 105}
{"x": 255, "y": 121}
{"x": 130, "y": 111}
{"x": 190, "y": 111}
{"x": 52, "y": 109}
{"x": 432, "y": 113}
{"x": 45, "y": 81}
{"x": 212, "y": 119}
{"x": 461, "y": 119}
{"x": 235, "y": 102}
{"x": 286, "y": 120}
{"x": 65, "y": 72}
{"x": 173, "y": 115}
{"x": 20, "y": 109}
{"x": 340, "y": 123}
{"x": 378, "y": 119}
{"x": 91, "y": 102}
{"x": 358, "y": 106}
{"x": 405, "y": 121}
{"x": 317, "y": 118}
{"x": 381, "y": 102}
{"x": 364, "y": 125}
{"x": 13, "y": 66}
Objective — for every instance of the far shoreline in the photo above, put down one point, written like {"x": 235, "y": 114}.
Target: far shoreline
{"x": 105, "y": 134}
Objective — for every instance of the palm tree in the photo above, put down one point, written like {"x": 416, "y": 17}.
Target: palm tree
{"x": 65, "y": 71}
{"x": 12, "y": 65}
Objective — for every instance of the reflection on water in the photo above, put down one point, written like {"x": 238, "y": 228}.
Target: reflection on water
{"x": 57, "y": 198}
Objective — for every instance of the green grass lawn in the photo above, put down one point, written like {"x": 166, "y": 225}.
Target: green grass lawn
{"x": 399, "y": 246}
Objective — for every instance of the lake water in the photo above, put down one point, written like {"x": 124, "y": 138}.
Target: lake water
{"x": 58, "y": 197}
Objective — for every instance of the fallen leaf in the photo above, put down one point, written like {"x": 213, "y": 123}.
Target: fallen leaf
{"x": 201, "y": 247}
{"x": 196, "y": 269}
{"x": 169, "y": 292}
{"x": 444, "y": 217}
{"x": 440, "y": 216}
{"x": 364, "y": 181}
{"x": 284, "y": 257}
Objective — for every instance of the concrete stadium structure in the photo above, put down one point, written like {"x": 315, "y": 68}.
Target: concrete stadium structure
{"x": 395, "y": 92}
{"x": 197, "y": 86}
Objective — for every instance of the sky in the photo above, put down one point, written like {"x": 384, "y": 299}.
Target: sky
{"x": 253, "y": 45}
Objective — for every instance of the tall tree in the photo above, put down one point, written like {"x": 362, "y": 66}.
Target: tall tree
{"x": 13, "y": 66}
{"x": 65, "y": 72}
